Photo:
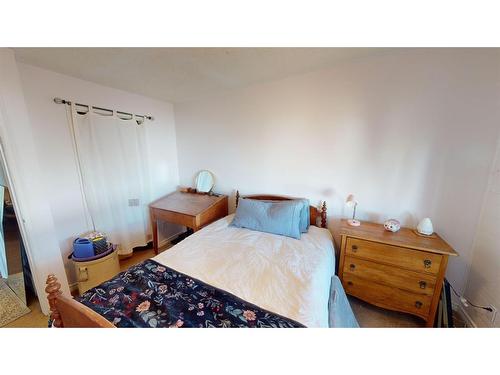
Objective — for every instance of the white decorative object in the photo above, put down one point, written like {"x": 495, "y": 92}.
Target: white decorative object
{"x": 425, "y": 227}
{"x": 352, "y": 203}
{"x": 392, "y": 225}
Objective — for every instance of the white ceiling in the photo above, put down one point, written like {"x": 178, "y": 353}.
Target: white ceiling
{"x": 181, "y": 74}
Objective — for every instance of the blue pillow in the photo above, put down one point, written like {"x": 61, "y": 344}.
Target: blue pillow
{"x": 305, "y": 218}
{"x": 281, "y": 218}
{"x": 305, "y": 214}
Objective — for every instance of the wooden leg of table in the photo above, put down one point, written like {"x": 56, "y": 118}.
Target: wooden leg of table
{"x": 154, "y": 223}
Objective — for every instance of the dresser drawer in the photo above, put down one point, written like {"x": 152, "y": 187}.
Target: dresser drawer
{"x": 416, "y": 282}
{"x": 386, "y": 296}
{"x": 415, "y": 260}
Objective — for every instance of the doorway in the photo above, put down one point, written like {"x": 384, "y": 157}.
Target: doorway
{"x": 16, "y": 284}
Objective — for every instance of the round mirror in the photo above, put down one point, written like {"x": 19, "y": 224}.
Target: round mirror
{"x": 204, "y": 181}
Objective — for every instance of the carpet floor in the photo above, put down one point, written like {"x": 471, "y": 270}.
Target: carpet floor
{"x": 16, "y": 283}
{"x": 11, "y": 307}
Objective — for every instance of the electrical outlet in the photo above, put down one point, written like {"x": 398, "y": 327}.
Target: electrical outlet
{"x": 493, "y": 314}
{"x": 133, "y": 202}
{"x": 464, "y": 302}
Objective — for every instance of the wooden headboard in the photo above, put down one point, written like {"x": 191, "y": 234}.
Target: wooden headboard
{"x": 314, "y": 212}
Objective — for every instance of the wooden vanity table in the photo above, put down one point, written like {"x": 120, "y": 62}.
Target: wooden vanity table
{"x": 190, "y": 210}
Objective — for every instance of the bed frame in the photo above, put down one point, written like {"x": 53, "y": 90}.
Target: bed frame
{"x": 69, "y": 313}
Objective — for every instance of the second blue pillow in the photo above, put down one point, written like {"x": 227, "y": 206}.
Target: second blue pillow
{"x": 281, "y": 218}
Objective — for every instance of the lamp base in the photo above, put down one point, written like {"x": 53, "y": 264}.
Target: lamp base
{"x": 354, "y": 223}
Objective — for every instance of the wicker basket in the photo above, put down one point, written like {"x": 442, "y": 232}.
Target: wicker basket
{"x": 91, "y": 273}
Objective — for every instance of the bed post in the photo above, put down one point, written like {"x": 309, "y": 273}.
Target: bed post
{"x": 323, "y": 215}
{"x": 237, "y": 197}
{"x": 53, "y": 291}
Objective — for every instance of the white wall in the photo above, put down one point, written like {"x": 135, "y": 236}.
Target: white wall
{"x": 411, "y": 134}
{"x": 28, "y": 189}
{"x": 484, "y": 275}
{"x": 55, "y": 150}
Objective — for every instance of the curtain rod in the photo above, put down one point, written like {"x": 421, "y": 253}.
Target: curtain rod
{"x": 64, "y": 101}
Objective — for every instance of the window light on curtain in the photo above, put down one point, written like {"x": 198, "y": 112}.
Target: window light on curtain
{"x": 112, "y": 159}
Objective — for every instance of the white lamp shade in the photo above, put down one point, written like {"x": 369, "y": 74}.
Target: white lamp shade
{"x": 350, "y": 201}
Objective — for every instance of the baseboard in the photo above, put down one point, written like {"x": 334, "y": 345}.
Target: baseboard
{"x": 73, "y": 288}
{"x": 468, "y": 319}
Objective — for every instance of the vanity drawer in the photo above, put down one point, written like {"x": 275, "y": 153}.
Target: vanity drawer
{"x": 415, "y": 260}
{"x": 386, "y": 296}
{"x": 411, "y": 281}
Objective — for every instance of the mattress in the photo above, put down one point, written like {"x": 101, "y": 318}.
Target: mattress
{"x": 293, "y": 278}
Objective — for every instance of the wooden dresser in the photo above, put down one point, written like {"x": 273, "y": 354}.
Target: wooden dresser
{"x": 400, "y": 271}
{"x": 188, "y": 209}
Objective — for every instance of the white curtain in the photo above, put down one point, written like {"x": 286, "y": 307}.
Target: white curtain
{"x": 112, "y": 157}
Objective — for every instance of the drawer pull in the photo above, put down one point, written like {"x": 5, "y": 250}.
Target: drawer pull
{"x": 349, "y": 283}
{"x": 352, "y": 267}
{"x": 422, "y": 284}
{"x": 427, "y": 263}
{"x": 418, "y": 304}
{"x": 354, "y": 248}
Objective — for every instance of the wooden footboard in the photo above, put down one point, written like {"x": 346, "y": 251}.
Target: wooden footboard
{"x": 68, "y": 313}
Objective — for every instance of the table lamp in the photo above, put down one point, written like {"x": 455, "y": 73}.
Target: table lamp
{"x": 351, "y": 202}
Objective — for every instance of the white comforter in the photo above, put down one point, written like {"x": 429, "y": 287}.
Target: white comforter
{"x": 280, "y": 274}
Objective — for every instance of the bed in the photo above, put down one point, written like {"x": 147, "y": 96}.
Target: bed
{"x": 263, "y": 279}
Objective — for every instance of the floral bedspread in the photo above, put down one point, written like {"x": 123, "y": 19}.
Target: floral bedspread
{"x": 152, "y": 295}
